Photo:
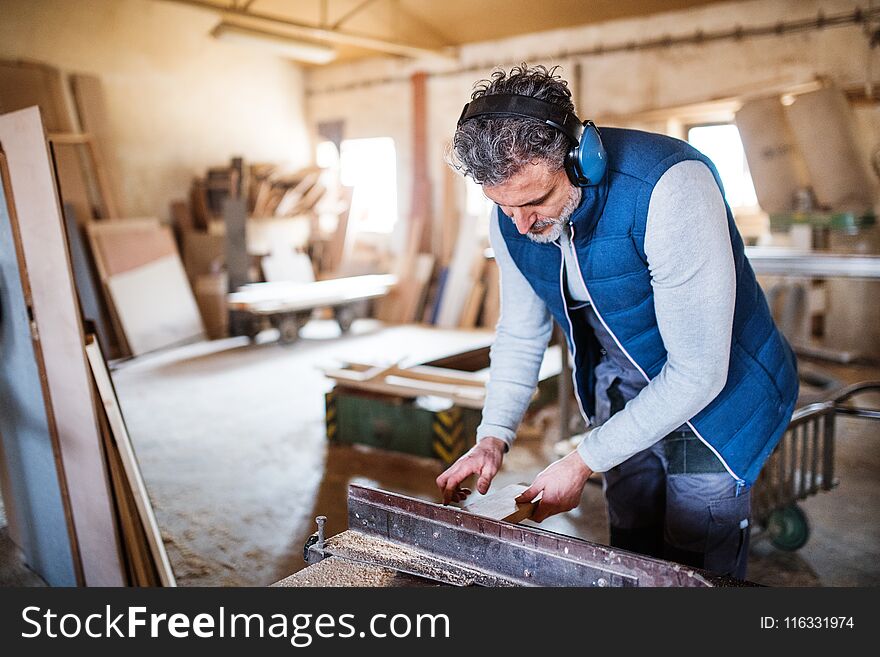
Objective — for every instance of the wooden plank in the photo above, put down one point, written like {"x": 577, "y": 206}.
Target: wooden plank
{"x": 203, "y": 253}
{"x": 89, "y": 287}
{"x": 129, "y": 462}
{"x": 399, "y": 384}
{"x": 420, "y": 207}
{"x": 156, "y": 306}
{"x": 269, "y": 298}
{"x": 412, "y": 297}
{"x": 199, "y": 204}
{"x": 72, "y": 182}
{"x": 57, "y": 321}
{"x": 38, "y": 512}
{"x": 501, "y": 505}
{"x": 91, "y": 106}
{"x": 24, "y": 84}
{"x": 125, "y": 244}
{"x": 492, "y": 304}
{"x": 210, "y": 293}
{"x": 362, "y": 372}
{"x": 181, "y": 218}
{"x": 471, "y": 311}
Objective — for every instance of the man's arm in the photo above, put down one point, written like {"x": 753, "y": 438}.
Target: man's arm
{"x": 692, "y": 272}
{"x": 522, "y": 334}
{"x": 521, "y": 338}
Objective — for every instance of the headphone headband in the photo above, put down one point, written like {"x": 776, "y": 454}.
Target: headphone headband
{"x": 585, "y": 160}
{"x": 527, "y": 107}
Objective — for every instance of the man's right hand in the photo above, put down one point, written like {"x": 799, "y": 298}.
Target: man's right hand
{"x": 483, "y": 459}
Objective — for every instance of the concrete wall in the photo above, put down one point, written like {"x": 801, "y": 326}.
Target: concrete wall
{"x": 373, "y": 96}
{"x": 178, "y": 100}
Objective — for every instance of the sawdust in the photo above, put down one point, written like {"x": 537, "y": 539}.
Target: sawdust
{"x": 374, "y": 550}
{"x": 336, "y": 572}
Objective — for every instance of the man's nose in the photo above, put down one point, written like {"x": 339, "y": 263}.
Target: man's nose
{"x": 523, "y": 219}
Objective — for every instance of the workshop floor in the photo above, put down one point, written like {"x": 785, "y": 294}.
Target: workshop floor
{"x": 230, "y": 438}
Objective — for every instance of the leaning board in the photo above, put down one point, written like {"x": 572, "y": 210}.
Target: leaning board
{"x": 146, "y": 285}
{"x": 57, "y": 322}
{"x": 155, "y": 305}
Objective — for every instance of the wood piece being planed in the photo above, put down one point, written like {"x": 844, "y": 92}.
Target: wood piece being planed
{"x": 500, "y": 505}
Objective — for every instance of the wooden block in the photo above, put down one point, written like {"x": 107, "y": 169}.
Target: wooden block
{"x": 156, "y": 305}
{"x": 500, "y": 505}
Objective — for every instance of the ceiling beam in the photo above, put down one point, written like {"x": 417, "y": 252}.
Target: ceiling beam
{"x": 302, "y": 30}
{"x": 350, "y": 13}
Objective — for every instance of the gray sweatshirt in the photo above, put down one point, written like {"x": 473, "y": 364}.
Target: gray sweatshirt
{"x": 690, "y": 259}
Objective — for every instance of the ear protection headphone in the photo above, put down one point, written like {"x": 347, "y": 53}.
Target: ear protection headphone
{"x": 585, "y": 161}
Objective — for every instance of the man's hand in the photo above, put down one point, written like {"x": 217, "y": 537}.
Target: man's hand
{"x": 560, "y": 485}
{"x": 483, "y": 459}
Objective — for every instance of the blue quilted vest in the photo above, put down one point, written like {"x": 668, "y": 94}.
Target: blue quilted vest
{"x": 748, "y": 417}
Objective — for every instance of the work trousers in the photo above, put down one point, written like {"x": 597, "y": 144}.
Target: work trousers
{"x": 675, "y": 501}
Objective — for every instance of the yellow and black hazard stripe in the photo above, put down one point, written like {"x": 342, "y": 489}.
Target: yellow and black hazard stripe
{"x": 331, "y": 417}
{"x": 448, "y": 439}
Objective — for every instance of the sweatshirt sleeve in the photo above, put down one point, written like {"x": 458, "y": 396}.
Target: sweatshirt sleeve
{"x": 521, "y": 338}
{"x": 690, "y": 259}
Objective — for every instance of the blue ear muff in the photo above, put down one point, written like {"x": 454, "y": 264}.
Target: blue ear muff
{"x": 586, "y": 161}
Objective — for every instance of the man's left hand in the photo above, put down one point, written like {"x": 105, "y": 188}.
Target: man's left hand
{"x": 560, "y": 485}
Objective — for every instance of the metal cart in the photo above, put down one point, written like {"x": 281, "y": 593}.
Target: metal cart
{"x": 801, "y": 465}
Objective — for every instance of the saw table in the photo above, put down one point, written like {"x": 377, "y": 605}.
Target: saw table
{"x": 394, "y": 540}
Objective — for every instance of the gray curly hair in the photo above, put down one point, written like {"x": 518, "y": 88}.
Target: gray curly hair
{"x": 493, "y": 149}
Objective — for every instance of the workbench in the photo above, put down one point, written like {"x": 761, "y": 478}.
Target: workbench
{"x": 288, "y": 306}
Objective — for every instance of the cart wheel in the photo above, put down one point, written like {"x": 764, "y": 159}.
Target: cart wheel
{"x": 788, "y": 528}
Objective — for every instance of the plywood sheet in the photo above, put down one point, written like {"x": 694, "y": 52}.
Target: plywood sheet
{"x": 23, "y": 84}
{"x": 32, "y": 493}
{"x": 57, "y": 320}
{"x": 126, "y": 244}
{"x": 155, "y": 305}
{"x": 91, "y": 106}
{"x": 88, "y": 285}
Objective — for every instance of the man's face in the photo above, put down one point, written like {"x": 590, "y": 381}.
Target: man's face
{"x": 538, "y": 200}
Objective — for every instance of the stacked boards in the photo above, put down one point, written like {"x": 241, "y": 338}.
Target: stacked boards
{"x": 65, "y": 497}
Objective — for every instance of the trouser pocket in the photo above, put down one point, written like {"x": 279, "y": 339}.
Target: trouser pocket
{"x": 727, "y": 541}
{"x": 707, "y": 522}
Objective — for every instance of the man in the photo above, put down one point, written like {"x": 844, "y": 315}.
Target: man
{"x": 626, "y": 241}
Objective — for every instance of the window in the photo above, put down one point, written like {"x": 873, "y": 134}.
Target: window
{"x": 369, "y": 166}
{"x": 721, "y": 143}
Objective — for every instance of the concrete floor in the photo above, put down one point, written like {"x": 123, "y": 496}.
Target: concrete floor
{"x": 230, "y": 438}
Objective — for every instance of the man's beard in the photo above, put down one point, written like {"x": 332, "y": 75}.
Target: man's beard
{"x": 558, "y": 224}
